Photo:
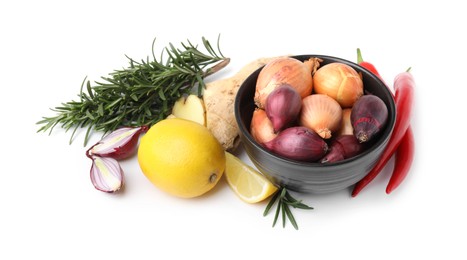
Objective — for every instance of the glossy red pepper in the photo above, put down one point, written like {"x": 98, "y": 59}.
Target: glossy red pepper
{"x": 404, "y": 90}
{"x": 403, "y": 161}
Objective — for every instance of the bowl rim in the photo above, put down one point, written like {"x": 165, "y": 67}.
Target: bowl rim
{"x": 385, "y": 136}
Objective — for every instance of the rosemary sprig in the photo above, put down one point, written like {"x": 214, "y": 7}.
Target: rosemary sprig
{"x": 284, "y": 200}
{"x": 141, "y": 94}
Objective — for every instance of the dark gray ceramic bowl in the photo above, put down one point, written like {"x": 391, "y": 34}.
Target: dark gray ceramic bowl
{"x": 312, "y": 177}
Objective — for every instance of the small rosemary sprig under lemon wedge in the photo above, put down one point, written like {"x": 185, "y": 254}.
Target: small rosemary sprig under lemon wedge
{"x": 284, "y": 201}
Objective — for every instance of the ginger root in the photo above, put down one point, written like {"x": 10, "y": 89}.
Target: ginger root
{"x": 219, "y": 98}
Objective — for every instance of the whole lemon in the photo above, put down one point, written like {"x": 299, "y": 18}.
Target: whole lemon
{"x": 181, "y": 157}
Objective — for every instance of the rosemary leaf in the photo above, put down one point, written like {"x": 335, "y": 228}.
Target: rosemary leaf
{"x": 88, "y": 85}
{"x": 276, "y": 216}
{"x": 290, "y": 216}
{"x": 88, "y": 131}
{"x": 73, "y": 133}
{"x": 271, "y": 203}
{"x": 100, "y": 109}
{"x": 291, "y": 201}
{"x": 284, "y": 209}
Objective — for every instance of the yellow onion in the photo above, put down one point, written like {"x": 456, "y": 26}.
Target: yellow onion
{"x": 279, "y": 71}
{"x": 346, "y": 126}
{"x": 322, "y": 114}
{"x": 261, "y": 127}
{"x": 339, "y": 81}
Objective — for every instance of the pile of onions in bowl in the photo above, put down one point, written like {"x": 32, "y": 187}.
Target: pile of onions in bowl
{"x": 310, "y": 113}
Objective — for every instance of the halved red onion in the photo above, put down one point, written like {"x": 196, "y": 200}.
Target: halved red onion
{"x": 106, "y": 174}
{"x": 120, "y": 144}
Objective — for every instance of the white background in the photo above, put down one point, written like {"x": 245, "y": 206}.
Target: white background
{"x": 50, "y": 210}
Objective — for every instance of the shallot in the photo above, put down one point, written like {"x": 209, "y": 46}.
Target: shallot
{"x": 368, "y": 117}
{"x": 283, "y": 106}
{"x": 298, "y": 143}
{"x": 343, "y": 147}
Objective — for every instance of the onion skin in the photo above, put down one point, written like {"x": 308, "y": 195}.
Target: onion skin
{"x": 322, "y": 114}
{"x": 339, "y": 81}
{"x": 369, "y": 115}
{"x": 343, "y": 147}
{"x": 346, "y": 126}
{"x": 283, "y": 106}
{"x": 298, "y": 143}
{"x": 279, "y": 71}
{"x": 261, "y": 127}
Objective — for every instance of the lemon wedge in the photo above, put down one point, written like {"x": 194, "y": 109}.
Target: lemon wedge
{"x": 249, "y": 184}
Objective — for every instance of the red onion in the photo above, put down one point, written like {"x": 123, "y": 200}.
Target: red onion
{"x": 106, "y": 174}
{"x": 369, "y": 115}
{"x": 343, "y": 147}
{"x": 119, "y": 144}
{"x": 283, "y": 106}
{"x": 298, "y": 143}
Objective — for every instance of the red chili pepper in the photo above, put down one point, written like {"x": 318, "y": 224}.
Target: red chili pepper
{"x": 404, "y": 159}
{"x": 367, "y": 65}
{"x": 406, "y": 149}
{"x": 404, "y": 91}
